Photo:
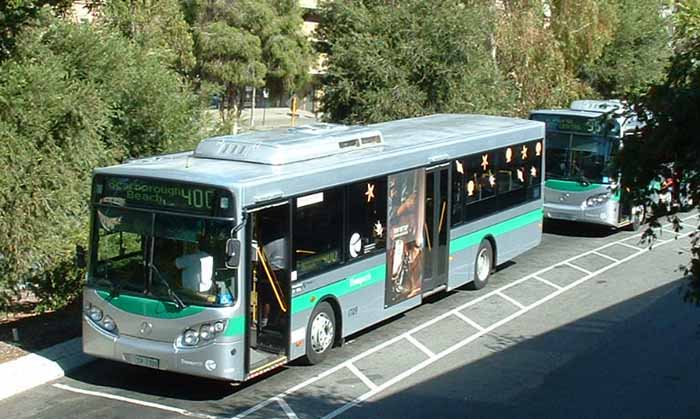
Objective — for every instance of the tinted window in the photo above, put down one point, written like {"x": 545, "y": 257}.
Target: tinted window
{"x": 366, "y": 222}
{"x": 317, "y": 231}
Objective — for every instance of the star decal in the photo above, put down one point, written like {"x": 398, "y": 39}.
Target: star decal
{"x": 533, "y": 171}
{"x": 378, "y": 229}
{"x": 538, "y": 149}
{"x": 521, "y": 175}
{"x": 523, "y": 152}
{"x": 509, "y": 155}
{"x": 370, "y": 192}
{"x": 485, "y": 161}
{"x": 470, "y": 188}
{"x": 460, "y": 167}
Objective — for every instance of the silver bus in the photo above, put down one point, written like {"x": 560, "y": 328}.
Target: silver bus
{"x": 581, "y": 183}
{"x": 257, "y": 249}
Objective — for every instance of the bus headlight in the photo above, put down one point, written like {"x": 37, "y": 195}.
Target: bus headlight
{"x": 206, "y": 331}
{"x": 190, "y": 337}
{"x": 596, "y": 200}
{"x": 201, "y": 334}
{"x": 108, "y": 324}
{"x": 95, "y": 314}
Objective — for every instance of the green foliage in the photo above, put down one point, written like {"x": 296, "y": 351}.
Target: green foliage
{"x": 389, "y": 60}
{"x": 73, "y": 97}
{"x": 529, "y": 56}
{"x": 673, "y": 106}
{"x": 583, "y": 28}
{"x": 249, "y": 43}
{"x": 158, "y": 26}
{"x": 14, "y": 14}
{"x": 637, "y": 53}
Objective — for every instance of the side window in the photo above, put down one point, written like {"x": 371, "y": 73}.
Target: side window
{"x": 317, "y": 231}
{"x": 366, "y": 232}
{"x": 457, "y": 191}
{"x": 534, "y": 168}
{"x": 479, "y": 185}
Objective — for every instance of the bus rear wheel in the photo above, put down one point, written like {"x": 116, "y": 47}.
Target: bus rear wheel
{"x": 482, "y": 266}
{"x": 320, "y": 333}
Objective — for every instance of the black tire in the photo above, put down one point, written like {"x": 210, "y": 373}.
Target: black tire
{"x": 317, "y": 347}
{"x": 482, "y": 272}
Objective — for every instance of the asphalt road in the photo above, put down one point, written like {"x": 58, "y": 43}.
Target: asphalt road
{"x": 587, "y": 325}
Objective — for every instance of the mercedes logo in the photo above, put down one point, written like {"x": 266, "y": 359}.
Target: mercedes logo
{"x": 146, "y": 328}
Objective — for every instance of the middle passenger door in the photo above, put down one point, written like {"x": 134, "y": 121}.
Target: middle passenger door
{"x": 435, "y": 228}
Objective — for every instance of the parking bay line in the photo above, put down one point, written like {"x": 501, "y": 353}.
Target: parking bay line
{"x": 472, "y": 338}
{"x": 158, "y": 406}
{"x": 451, "y": 312}
{"x": 482, "y": 331}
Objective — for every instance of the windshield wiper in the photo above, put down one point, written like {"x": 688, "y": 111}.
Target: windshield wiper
{"x": 180, "y": 304}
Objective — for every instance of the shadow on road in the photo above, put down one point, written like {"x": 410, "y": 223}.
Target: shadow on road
{"x": 577, "y": 229}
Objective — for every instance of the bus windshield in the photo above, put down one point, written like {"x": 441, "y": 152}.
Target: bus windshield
{"x": 167, "y": 257}
{"x": 582, "y": 158}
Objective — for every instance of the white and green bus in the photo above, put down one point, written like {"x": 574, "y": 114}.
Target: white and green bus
{"x": 581, "y": 183}
{"x": 258, "y": 249}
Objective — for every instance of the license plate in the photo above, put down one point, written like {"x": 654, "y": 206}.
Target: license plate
{"x": 146, "y": 361}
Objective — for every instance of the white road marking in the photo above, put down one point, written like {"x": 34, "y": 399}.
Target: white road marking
{"x": 158, "y": 406}
{"x": 287, "y": 410}
{"x": 465, "y": 341}
{"x": 544, "y": 281}
{"x": 420, "y": 346}
{"x": 606, "y": 256}
{"x": 586, "y": 271}
{"x": 622, "y": 243}
{"x": 469, "y": 321}
{"x": 374, "y": 389}
{"x": 369, "y": 383}
{"x": 511, "y": 300}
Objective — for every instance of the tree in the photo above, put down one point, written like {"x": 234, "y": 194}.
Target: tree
{"x": 156, "y": 25}
{"x": 637, "y": 53}
{"x": 583, "y": 29}
{"x": 672, "y": 107}
{"x": 388, "y": 60}
{"x": 249, "y": 43}
{"x": 14, "y": 14}
{"x": 74, "y": 97}
{"x": 530, "y": 57}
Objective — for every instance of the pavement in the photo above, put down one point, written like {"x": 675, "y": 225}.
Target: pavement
{"x": 586, "y": 325}
{"x": 38, "y": 368}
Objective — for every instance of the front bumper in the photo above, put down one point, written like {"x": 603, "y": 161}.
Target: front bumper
{"x": 606, "y": 214}
{"x": 218, "y": 360}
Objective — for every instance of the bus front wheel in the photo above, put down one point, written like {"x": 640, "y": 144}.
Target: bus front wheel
{"x": 320, "y": 333}
{"x": 482, "y": 266}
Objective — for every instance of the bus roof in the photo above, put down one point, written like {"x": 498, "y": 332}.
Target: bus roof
{"x": 567, "y": 112}
{"x": 262, "y": 166}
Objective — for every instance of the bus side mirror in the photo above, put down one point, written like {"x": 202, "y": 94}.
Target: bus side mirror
{"x": 233, "y": 253}
{"x": 80, "y": 260}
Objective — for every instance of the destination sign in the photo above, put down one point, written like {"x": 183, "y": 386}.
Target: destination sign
{"x": 570, "y": 123}
{"x": 154, "y": 193}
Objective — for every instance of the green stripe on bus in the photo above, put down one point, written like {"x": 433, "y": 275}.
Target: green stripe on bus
{"x": 235, "y": 326}
{"x": 495, "y": 230}
{"x": 149, "y": 307}
{"x": 348, "y": 285}
{"x": 570, "y": 185}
